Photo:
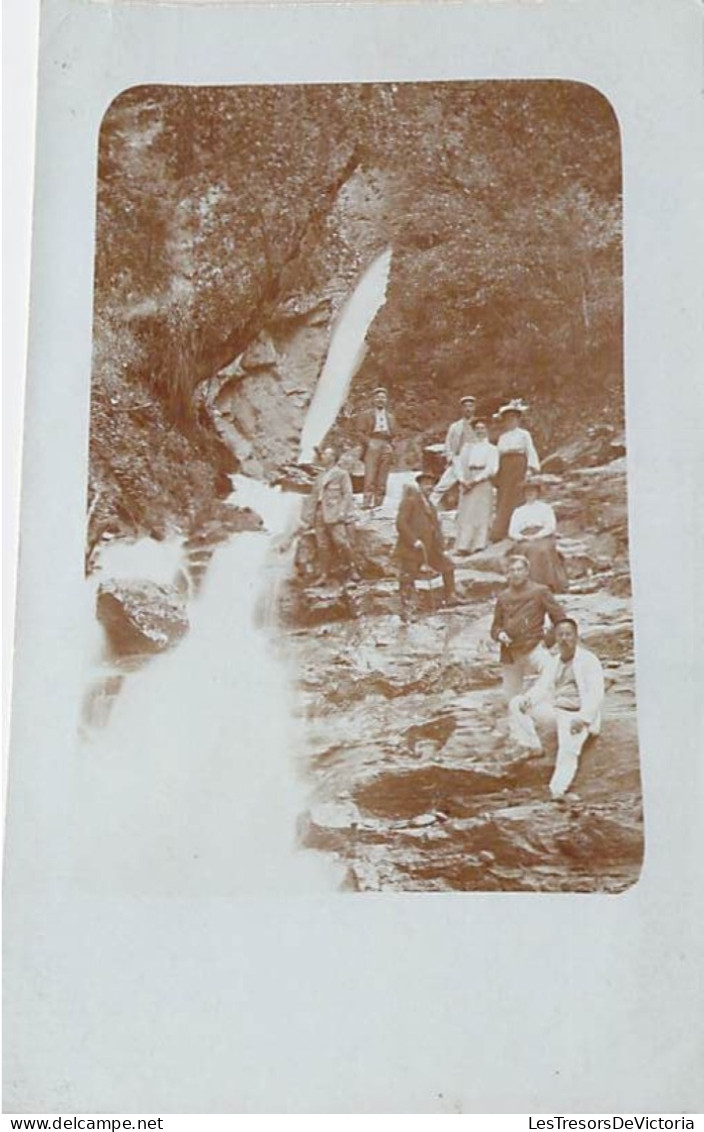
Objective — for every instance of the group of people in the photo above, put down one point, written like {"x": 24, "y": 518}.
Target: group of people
{"x": 567, "y": 695}
{"x": 568, "y": 692}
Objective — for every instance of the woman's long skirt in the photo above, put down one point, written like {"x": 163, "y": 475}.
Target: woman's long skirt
{"x": 509, "y": 482}
{"x": 546, "y": 565}
{"x": 474, "y": 517}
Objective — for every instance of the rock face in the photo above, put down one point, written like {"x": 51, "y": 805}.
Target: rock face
{"x": 258, "y": 402}
{"x": 141, "y": 616}
{"x": 213, "y": 526}
{"x": 407, "y": 733}
{"x": 412, "y": 783}
{"x": 233, "y": 222}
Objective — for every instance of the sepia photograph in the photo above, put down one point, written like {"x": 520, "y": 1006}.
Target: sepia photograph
{"x": 356, "y": 716}
{"x": 358, "y": 598}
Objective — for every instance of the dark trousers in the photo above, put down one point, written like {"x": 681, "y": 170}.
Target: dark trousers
{"x": 410, "y": 569}
{"x": 377, "y": 464}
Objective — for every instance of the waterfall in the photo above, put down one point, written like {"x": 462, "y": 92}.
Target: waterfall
{"x": 190, "y": 788}
{"x": 346, "y": 352}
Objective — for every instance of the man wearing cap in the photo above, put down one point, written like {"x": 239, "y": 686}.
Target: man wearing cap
{"x": 459, "y": 433}
{"x": 567, "y": 697}
{"x": 329, "y": 512}
{"x": 420, "y": 543}
{"x": 376, "y": 427}
{"x": 519, "y": 625}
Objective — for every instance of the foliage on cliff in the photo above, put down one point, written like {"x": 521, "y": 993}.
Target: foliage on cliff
{"x": 501, "y": 205}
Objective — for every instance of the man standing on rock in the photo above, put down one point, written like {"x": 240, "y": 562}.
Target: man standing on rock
{"x": 519, "y": 625}
{"x": 329, "y": 510}
{"x": 421, "y": 543}
{"x": 567, "y": 697}
{"x": 459, "y": 433}
{"x": 377, "y": 427}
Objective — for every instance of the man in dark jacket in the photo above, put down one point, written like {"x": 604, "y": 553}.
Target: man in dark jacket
{"x": 420, "y": 543}
{"x": 376, "y": 427}
{"x": 519, "y": 625}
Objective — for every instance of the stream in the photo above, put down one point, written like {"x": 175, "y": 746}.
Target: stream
{"x": 187, "y": 776}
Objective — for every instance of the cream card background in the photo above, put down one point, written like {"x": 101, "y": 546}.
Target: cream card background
{"x": 439, "y": 1003}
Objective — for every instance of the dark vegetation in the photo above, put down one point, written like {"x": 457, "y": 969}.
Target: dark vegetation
{"x": 501, "y": 202}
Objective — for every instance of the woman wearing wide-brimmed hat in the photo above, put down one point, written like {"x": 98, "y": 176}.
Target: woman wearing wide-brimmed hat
{"x": 517, "y": 456}
{"x": 532, "y": 529}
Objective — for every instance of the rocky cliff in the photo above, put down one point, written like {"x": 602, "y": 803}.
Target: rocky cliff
{"x": 233, "y": 222}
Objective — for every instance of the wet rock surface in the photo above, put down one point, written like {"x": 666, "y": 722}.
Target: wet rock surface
{"x": 413, "y": 784}
{"x": 140, "y": 616}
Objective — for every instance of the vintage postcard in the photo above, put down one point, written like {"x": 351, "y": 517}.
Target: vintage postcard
{"x": 354, "y": 708}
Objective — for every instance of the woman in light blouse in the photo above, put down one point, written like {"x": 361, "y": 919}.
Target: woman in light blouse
{"x": 517, "y": 455}
{"x": 532, "y": 529}
{"x": 477, "y": 464}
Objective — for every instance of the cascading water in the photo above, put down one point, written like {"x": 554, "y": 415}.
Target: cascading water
{"x": 190, "y": 788}
{"x": 346, "y": 352}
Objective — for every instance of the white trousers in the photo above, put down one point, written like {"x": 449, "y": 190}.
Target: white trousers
{"x": 515, "y": 675}
{"x": 569, "y": 746}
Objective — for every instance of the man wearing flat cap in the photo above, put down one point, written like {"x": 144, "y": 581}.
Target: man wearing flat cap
{"x": 376, "y": 428}
{"x": 421, "y": 544}
{"x": 459, "y": 433}
{"x": 519, "y": 625}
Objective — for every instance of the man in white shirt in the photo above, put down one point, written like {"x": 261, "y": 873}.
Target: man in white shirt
{"x": 459, "y": 433}
{"x": 567, "y": 696}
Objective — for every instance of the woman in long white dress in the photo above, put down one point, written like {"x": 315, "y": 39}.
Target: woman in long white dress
{"x": 477, "y": 464}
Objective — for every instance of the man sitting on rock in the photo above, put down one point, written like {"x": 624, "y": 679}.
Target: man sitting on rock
{"x": 519, "y": 625}
{"x": 421, "y": 544}
{"x": 567, "y": 697}
{"x": 329, "y": 510}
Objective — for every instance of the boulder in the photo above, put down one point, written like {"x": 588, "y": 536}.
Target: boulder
{"x": 261, "y": 354}
{"x": 296, "y": 477}
{"x": 599, "y": 445}
{"x": 140, "y": 616}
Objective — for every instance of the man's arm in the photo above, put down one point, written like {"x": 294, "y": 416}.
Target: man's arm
{"x": 554, "y": 610}
{"x": 347, "y": 500}
{"x": 449, "y": 443}
{"x": 404, "y": 522}
{"x": 497, "y": 624}
{"x": 363, "y": 430}
{"x": 592, "y": 690}
{"x": 310, "y": 503}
